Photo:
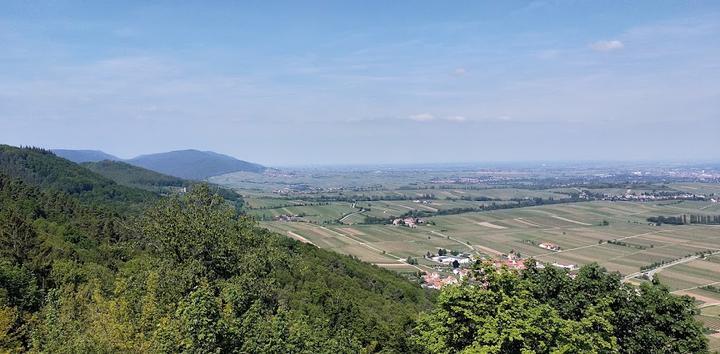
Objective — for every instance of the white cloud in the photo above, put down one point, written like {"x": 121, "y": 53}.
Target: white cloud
{"x": 428, "y": 117}
{"x": 422, "y": 117}
{"x": 460, "y": 72}
{"x": 607, "y": 46}
{"x": 458, "y": 119}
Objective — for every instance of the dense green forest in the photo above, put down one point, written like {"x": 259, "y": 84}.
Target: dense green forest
{"x": 186, "y": 273}
{"x": 89, "y": 265}
{"x": 43, "y": 169}
{"x": 543, "y": 310}
{"x": 137, "y": 177}
{"x": 133, "y": 176}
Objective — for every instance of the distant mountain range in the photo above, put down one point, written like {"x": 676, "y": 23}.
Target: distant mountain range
{"x": 188, "y": 164}
{"x": 194, "y": 164}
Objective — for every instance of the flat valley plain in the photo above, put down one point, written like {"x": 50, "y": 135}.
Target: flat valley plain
{"x": 347, "y": 218}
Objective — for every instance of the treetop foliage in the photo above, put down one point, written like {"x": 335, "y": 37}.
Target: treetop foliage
{"x": 543, "y": 310}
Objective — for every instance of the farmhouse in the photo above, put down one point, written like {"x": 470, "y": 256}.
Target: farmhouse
{"x": 288, "y": 218}
{"x": 549, "y": 246}
{"x": 409, "y": 222}
{"x": 569, "y": 267}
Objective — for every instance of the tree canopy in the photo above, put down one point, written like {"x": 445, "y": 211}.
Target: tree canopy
{"x": 544, "y": 310}
{"x": 188, "y": 274}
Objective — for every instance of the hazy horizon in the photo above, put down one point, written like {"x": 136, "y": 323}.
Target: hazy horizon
{"x": 324, "y": 83}
{"x": 437, "y": 164}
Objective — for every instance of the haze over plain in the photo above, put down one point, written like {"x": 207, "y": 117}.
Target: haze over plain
{"x": 373, "y": 82}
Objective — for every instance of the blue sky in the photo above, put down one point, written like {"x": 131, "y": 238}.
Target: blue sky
{"x": 322, "y": 82}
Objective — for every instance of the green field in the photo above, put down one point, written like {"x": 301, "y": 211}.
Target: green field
{"x": 348, "y": 213}
{"x": 327, "y": 217}
{"x": 574, "y": 227}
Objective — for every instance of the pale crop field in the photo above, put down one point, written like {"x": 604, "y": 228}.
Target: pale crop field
{"x": 576, "y": 228}
{"x": 314, "y": 213}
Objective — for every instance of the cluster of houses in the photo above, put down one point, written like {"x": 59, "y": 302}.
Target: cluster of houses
{"x": 409, "y": 222}
{"x": 549, "y": 246}
{"x": 511, "y": 260}
{"x": 422, "y": 201}
{"x": 450, "y": 260}
{"x": 176, "y": 190}
{"x": 288, "y": 218}
{"x": 644, "y": 197}
{"x": 297, "y": 188}
{"x": 437, "y": 281}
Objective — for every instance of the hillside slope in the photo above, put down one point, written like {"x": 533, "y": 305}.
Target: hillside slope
{"x": 138, "y": 177}
{"x": 44, "y": 169}
{"x": 194, "y": 164}
{"x": 79, "y": 156}
{"x": 129, "y": 175}
{"x": 182, "y": 274}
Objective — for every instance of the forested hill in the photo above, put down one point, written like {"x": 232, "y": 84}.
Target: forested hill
{"x": 133, "y": 176}
{"x": 185, "y": 275}
{"x": 138, "y": 177}
{"x": 44, "y": 169}
{"x": 194, "y": 164}
{"x": 79, "y": 156}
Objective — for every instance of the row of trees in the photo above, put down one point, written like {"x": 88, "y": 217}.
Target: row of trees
{"x": 663, "y": 262}
{"x": 364, "y": 197}
{"x": 519, "y": 203}
{"x": 627, "y": 244}
{"x": 685, "y": 219}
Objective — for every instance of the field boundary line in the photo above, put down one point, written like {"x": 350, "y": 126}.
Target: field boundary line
{"x": 399, "y": 259}
{"x": 300, "y": 238}
{"x": 600, "y": 244}
{"x": 456, "y": 240}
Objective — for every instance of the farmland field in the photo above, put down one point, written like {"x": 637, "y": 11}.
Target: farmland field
{"x": 491, "y": 213}
{"x": 576, "y": 228}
